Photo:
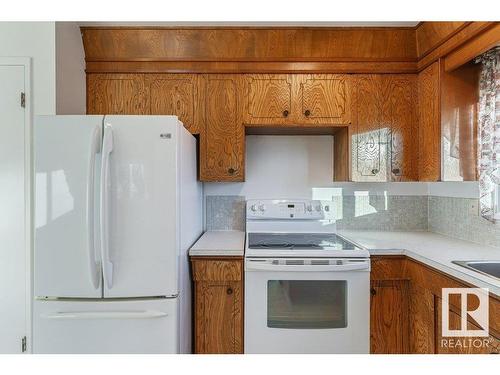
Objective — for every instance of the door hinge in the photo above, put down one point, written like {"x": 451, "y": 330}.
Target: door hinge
{"x": 23, "y": 344}
{"x": 23, "y": 100}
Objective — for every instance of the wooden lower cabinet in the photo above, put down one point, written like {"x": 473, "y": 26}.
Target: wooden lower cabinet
{"x": 218, "y": 305}
{"x": 389, "y": 316}
{"x": 406, "y": 311}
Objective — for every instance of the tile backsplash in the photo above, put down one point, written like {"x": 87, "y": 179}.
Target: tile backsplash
{"x": 453, "y": 217}
{"x": 224, "y": 212}
{"x": 381, "y": 212}
{"x": 444, "y": 215}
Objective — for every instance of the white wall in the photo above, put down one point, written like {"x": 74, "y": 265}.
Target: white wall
{"x": 298, "y": 167}
{"x": 70, "y": 70}
{"x": 35, "y": 40}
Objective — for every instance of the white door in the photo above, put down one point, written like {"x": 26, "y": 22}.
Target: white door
{"x": 14, "y": 199}
{"x": 66, "y": 252}
{"x": 107, "y": 326}
{"x": 139, "y": 206}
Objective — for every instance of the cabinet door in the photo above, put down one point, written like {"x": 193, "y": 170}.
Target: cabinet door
{"x": 177, "y": 94}
{"x": 219, "y": 318}
{"x": 119, "y": 94}
{"x": 399, "y": 106}
{"x": 218, "y": 311}
{"x": 422, "y": 313}
{"x": 267, "y": 99}
{"x": 370, "y": 139}
{"x": 389, "y": 317}
{"x": 223, "y": 141}
{"x": 429, "y": 124}
{"x": 324, "y": 98}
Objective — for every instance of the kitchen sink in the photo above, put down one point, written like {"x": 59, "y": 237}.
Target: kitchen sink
{"x": 489, "y": 268}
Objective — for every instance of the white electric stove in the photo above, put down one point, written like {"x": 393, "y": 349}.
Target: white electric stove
{"x": 306, "y": 287}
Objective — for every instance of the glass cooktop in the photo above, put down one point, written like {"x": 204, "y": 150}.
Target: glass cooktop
{"x": 300, "y": 241}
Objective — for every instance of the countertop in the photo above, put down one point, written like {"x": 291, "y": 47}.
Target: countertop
{"x": 219, "y": 243}
{"x": 433, "y": 249}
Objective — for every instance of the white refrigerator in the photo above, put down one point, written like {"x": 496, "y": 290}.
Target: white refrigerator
{"x": 117, "y": 206}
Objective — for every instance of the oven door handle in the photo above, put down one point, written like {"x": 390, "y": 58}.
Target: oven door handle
{"x": 262, "y": 266}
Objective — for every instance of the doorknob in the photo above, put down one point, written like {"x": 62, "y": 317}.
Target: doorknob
{"x": 373, "y": 291}
{"x": 307, "y": 113}
{"x": 229, "y": 291}
{"x": 285, "y": 113}
{"x": 231, "y": 170}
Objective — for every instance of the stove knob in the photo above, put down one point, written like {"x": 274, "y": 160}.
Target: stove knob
{"x": 262, "y": 207}
{"x": 309, "y": 208}
{"x": 253, "y": 207}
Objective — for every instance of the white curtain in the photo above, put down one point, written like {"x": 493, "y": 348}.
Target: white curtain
{"x": 489, "y": 133}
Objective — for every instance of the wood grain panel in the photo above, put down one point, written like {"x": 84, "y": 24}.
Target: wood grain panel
{"x": 473, "y": 48}
{"x": 251, "y": 67}
{"x": 459, "y": 101}
{"x": 462, "y": 36}
{"x": 370, "y": 136}
{"x": 177, "y": 94}
{"x": 431, "y": 34}
{"x": 219, "y": 318}
{"x": 223, "y": 144}
{"x": 429, "y": 161}
{"x": 268, "y": 99}
{"x": 118, "y": 94}
{"x": 248, "y": 44}
{"x": 402, "y": 118}
{"x": 217, "y": 270}
{"x": 324, "y": 98}
{"x": 218, "y": 304}
{"x": 389, "y": 317}
{"x": 341, "y": 155}
{"x": 422, "y": 318}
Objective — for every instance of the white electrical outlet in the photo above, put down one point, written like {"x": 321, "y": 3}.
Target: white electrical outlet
{"x": 474, "y": 208}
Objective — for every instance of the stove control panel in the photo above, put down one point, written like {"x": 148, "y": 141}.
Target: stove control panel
{"x": 283, "y": 209}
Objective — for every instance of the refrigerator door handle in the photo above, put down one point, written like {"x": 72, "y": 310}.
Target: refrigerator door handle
{"x": 94, "y": 264}
{"x": 107, "y": 148}
{"x": 148, "y": 314}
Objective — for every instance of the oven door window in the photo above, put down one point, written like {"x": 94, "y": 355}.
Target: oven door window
{"x": 306, "y": 304}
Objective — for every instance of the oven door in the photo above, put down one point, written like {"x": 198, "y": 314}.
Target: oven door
{"x": 307, "y": 305}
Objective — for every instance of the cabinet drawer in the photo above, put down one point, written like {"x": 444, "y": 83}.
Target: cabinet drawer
{"x": 217, "y": 270}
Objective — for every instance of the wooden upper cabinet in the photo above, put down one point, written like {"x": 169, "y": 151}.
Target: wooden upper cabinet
{"x": 400, "y": 110}
{"x": 429, "y": 163}
{"x": 323, "y": 99}
{"x": 120, "y": 94}
{"x": 370, "y": 136}
{"x": 223, "y": 141}
{"x": 385, "y": 128}
{"x": 267, "y": 99}
{"x": 177, "y": 94}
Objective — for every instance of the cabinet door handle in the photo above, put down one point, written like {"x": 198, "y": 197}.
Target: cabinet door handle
{"x": 229, "y": 291}
{"x": 396, "y": 171}
{"x": 285, "y": 113}
{"x": 373, "y": 291}
{"x": 374, "y": 171}
{"x": 231, "y": 170}
{"x": 307, "y": 113}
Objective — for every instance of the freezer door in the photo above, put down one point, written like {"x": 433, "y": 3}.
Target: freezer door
{"x": 139, "y": 206}
{"x": 102, "y": 327}
{"x": 66, "y": 159}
